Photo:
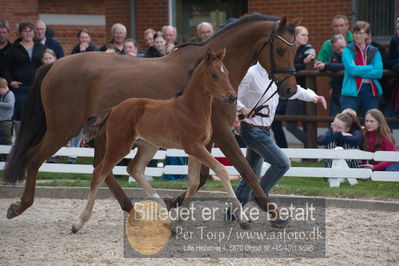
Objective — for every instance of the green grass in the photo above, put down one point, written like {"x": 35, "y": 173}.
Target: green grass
{"x": 286, "y": 185}
{"x": 320, "y": 187}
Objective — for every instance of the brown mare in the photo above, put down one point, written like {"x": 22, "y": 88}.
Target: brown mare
{"x": 65, "y": 94}
{"x": 175, "y": 123}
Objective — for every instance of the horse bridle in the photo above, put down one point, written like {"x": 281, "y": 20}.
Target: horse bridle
{"x": 273, "y": 73}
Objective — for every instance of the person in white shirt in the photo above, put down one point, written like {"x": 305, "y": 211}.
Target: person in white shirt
{"x": 255, "y": 130}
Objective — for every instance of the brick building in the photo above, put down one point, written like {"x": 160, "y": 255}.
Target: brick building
{"x": 68, "y": 16}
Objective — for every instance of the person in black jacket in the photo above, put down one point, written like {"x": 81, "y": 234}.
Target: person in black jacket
{"x": 85, "y": 44}
{"x": 159, "y": 48}
{"x": 393, "y": 55}
{"x": 334, "y": 64}
{"x": 21, "y": 62}
{"x": 392, "y": 84}
{"x": 5, "y": 44}
{"x": 304, "y": 55}
{"x": 40, "y": 30}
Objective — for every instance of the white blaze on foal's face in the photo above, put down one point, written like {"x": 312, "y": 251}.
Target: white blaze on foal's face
{"x": 222, "y": 69}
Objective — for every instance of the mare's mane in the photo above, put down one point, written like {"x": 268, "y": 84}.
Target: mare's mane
{"x": 190, "y": 72}
{"x": 242, "y": 20}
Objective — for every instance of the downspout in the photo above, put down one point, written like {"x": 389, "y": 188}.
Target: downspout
{"x": 133, "y": 19}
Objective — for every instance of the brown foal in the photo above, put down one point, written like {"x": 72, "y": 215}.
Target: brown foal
{"x": 175, "y": 123}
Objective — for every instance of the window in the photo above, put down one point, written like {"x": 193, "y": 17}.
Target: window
{"x": 189, "y": 13}
{"x": 380, "y": 14}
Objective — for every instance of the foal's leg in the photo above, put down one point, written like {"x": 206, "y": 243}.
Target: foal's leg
{"x": 204, "y": 175}
{"x": 110, "y": 180}
{"x": 36, "y": 156}
{"x": 207, "y": 159}
{"x": 136, "y": 168}
{"x": 115, "y": 151}
{"x": 193, "y": 181}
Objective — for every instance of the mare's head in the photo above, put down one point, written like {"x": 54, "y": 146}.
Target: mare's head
{"x": 216, "y": 76}
{"x": 277, "y": 56}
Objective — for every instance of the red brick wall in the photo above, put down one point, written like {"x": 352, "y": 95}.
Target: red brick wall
{"x": 67, "y": 35}
{"x": 17, "y": 11}
{"x": 76, "y": 7}
{"x": 150, "y": 14}
{"x": 116, "y": 11}
{"x": 316, "y": 14}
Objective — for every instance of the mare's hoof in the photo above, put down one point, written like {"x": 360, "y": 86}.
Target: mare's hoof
{"x": 74, "y": 230}
{"x": 11, "y": 212}
{"x": 245, "y": 225}
{"x": 170, "y": 203}
{"x": 230, "y": 216}
{"x": 278, "y": 223}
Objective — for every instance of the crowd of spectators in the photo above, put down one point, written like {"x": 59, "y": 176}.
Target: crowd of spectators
{"x": 352, "y": 51}
{"x": 360, "y": 90}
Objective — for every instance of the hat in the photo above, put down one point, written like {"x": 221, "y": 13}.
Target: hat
{"x": 228, "y": 21}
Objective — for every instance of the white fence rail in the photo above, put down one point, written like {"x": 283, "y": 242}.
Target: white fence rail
{"x": 337, "y": 174}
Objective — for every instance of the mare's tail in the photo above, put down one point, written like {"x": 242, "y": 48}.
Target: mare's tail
{"x": 32, "y": 130}
{"x": 95, "y": 125}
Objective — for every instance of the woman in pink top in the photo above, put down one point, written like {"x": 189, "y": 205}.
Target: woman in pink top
{"x": 378, "y": 137}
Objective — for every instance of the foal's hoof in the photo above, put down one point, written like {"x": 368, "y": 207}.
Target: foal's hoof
{"x": 173, "y": 228}
{"x": 11, "y": 212}
{"x": 279, "y": 223}
{"x": 173, "y": 231}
